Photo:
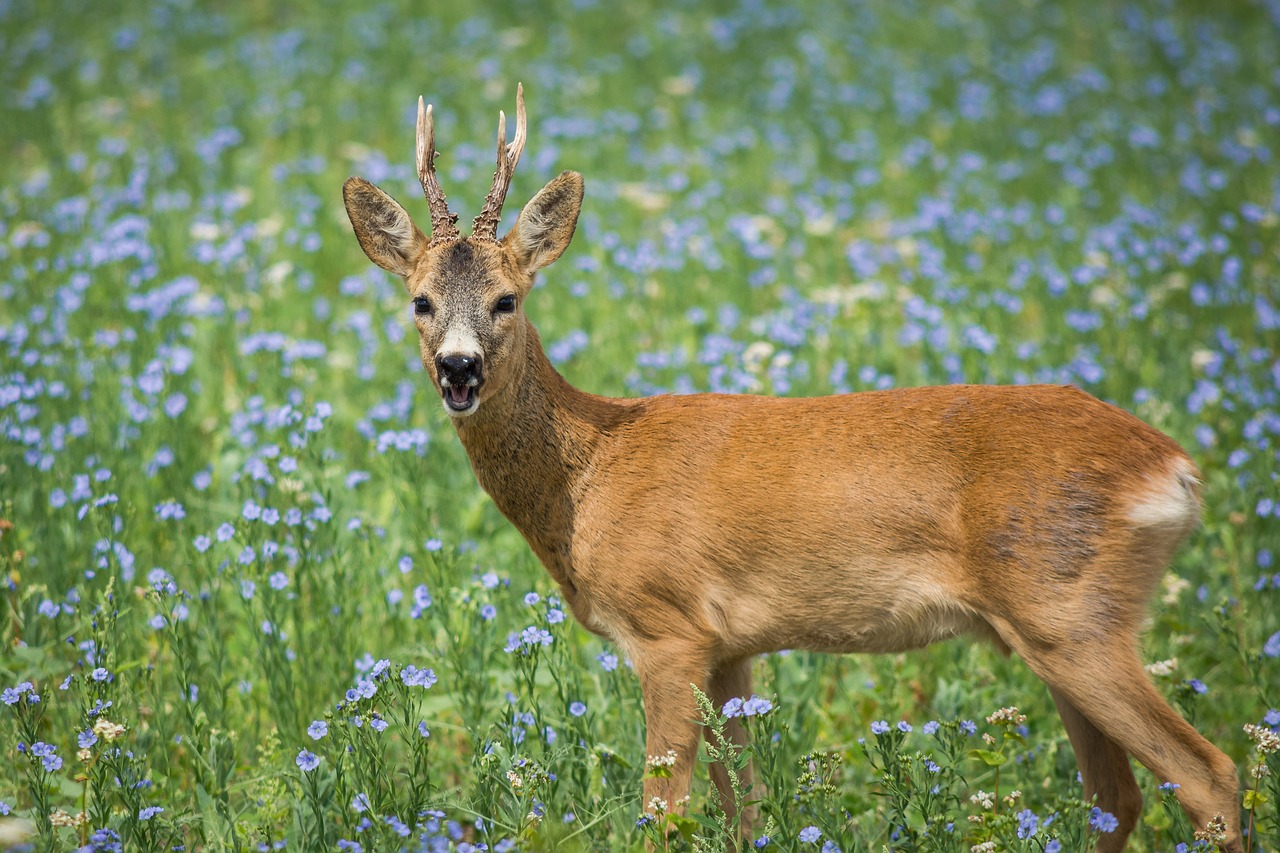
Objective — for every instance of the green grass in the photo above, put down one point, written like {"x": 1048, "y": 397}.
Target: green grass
{"x": 798, "y": 199}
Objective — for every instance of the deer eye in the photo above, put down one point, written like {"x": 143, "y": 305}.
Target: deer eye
{"x": 506, "y": 304}
{"x": 421, "y": 305}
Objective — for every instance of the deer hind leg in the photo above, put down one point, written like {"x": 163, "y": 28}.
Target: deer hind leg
{"x": 1104, "y": 766}
{"x": 729, "y": 681}
{"x": 1105, "y": 684}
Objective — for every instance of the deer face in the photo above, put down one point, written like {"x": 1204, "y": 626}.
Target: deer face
{"x": 467, "y": 292}
{"x": 466, "y": 306}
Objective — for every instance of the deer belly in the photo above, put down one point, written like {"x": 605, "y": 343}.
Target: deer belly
{"x": 836, "y": 611}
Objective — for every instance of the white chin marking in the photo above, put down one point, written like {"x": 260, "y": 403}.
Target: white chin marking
{"x": 467, "y": 412}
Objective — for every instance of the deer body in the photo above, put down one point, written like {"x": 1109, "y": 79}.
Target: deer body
{"x": 753, "y": 515}
{"x": 698, "y": 531}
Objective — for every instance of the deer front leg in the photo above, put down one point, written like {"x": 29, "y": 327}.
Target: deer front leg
{"x": 727, "y": 682}
{"x": 668, "y": 674}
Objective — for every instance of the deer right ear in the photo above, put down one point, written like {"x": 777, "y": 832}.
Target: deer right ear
{"x": 384, "y": 229}
{"x": 546, "y": 224}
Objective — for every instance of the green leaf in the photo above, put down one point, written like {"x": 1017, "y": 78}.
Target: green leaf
{"x": 1252, "y": 799}
{"x": 988, "y": 757}
{"x": 686, "y": 826}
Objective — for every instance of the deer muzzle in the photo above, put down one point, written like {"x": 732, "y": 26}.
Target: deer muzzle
{"x": 460, "y": 377}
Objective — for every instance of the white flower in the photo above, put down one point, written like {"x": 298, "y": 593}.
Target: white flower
{"x": 668, "y": 760}
{"x": 108, "y": 730}
{"x": 1162, "y": 668}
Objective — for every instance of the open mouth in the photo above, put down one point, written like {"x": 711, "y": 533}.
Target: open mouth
{"x": 459, "y": 398}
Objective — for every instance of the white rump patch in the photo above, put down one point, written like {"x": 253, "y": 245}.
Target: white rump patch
{"x": 1170, "y": 500}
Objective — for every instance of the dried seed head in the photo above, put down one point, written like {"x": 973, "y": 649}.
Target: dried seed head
{"x": 1007, "y": 717}
{"x": 1215, "y": 831}
{"x": 1264, "y": 739}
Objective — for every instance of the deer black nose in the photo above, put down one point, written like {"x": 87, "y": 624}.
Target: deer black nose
{"x": 458, "y": 369}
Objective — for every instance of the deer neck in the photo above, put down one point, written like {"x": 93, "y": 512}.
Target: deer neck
{"x": 532, "y": 447}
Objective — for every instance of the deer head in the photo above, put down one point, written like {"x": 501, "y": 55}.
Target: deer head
{"x": 467, "y": 292}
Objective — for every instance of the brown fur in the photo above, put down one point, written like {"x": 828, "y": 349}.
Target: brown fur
{"x": 698, "y": 531}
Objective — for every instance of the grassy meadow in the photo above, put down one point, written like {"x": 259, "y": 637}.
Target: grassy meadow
{"x": 253, "y": 598}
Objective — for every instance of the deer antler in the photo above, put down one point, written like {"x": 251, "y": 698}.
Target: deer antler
{"x": 486, "y": 224}
{"x": 443, "y": 223}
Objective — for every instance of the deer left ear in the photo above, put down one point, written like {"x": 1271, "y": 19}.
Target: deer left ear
{"x": 546, "y": 224}
{"x": 385, "y": 230}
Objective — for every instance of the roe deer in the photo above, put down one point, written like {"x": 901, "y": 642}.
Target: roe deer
{"x": 698, "y": 531}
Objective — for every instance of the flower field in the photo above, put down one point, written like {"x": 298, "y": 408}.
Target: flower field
{"x": 253, "y": 598}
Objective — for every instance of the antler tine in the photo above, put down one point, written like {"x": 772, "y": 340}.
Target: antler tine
{"x": 486, "y": 224}
{"x": 522, "y": 128}
{"x": 443, "y": 223}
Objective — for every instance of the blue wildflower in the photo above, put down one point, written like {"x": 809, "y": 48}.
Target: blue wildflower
{"x": 1103, "y": 821}
{"x": 48, "y": 755}
{"x": 12, "y": 695}
{"x": 414, "y": 677}
{"x": 397, "y": 826}
{"x": 1028, "y": 823}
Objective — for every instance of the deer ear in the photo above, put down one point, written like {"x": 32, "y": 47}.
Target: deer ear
{"x": 384, "y": 229}
{"x": 546, "y": 224}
